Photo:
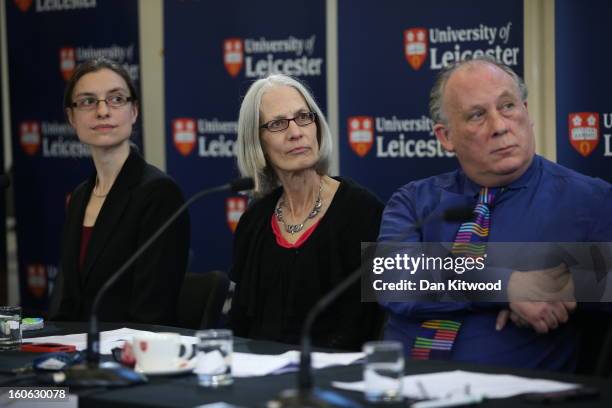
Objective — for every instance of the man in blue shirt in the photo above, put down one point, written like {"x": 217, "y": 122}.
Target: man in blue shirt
{"x": 479, "y": 110}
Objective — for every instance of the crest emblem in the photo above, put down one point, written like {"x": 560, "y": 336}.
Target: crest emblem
{"x": 361, "y": 134}
{"x": 234, "y": 208}
{"x": 23, "y": 5}
{"x": 67, "y": 62}
{"x": 415, "y": 46}
{"x": 29, "y": 137}
{"x": 233, "y": 55}
{"x": 37, "y": 279}
{"x": 584, "y": 131}
{"x": 184, "y": 135}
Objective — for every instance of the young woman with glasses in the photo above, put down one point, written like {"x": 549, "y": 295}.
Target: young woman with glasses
{"x": 301, "y": 235}
{"x": 113, "y": 212}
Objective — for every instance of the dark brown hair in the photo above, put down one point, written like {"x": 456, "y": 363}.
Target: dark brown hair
{"x": 94, "y": 65}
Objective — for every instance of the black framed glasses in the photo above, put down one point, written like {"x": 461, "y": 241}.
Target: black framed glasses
{"x": 302, "y": 119}
{"x": 88, "y": 103}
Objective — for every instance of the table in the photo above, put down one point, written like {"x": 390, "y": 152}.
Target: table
{"x": 183, "y": 391}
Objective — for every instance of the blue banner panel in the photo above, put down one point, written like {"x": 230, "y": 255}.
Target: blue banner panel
{"x": 46, "y": 41}
{"x": 583, "y": 86}
{"x": 389, "y": 54}
{"x": 213, "y": 52}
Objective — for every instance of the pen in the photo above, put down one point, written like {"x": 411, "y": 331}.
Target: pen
{"x": 422, "y": 390}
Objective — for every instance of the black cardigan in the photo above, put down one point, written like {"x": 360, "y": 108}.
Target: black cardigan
{"x": 141, "y": 199}
{"x": 276, "y": 286}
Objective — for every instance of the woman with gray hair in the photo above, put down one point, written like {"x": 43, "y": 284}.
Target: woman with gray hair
{"x": 301, "y": 235}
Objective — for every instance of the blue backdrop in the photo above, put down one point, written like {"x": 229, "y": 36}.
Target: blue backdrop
{"x": 213, "y": 52}
{"x": 584, "y": 86}
{"x": 45, "y": 42}
{"x": 389, "y": 53}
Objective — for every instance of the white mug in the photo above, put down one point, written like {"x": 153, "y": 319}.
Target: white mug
{"x": 158, "y": 351}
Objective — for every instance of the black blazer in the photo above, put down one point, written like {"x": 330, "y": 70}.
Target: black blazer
{"x": 141, "y": 199}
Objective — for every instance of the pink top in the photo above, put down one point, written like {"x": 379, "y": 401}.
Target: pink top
{"x": 281, "y": 241}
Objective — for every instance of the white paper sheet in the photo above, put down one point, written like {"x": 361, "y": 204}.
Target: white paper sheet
{"x": 253, "y": 365}
{"x": 449, "y": 383}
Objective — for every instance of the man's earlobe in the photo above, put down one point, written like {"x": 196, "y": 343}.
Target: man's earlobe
{"x": 443, "y": 136}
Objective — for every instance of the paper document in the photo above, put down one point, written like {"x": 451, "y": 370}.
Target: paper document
{"x": 253, "y": 365}
{"x": 458, "y": 382}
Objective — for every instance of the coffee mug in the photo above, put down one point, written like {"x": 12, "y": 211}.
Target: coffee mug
{"x": 159, "y": 351}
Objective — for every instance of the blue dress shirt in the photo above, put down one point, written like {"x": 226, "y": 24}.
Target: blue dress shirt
{"x": 548, "y": 203}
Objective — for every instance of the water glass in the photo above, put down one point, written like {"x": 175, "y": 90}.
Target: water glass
{"x": 383, "y": 370}
{"x": 10, "y": 327}
{"x": 214, "y": 360}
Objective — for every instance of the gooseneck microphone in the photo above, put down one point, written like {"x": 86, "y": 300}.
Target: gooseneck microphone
{"x": 306, "y": 395}
{"x": 93, "y": 335}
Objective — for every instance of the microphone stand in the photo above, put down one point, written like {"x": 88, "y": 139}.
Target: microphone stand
{"x": 306, "y": 395}
{"x": 94, "y": 371}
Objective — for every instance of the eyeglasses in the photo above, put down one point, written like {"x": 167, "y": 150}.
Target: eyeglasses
{"x": 302, "y": 119}
{"x": 89, "y": 103}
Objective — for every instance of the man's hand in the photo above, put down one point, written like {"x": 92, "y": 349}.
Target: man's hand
{"x": 541, "y": 316}
{"x": 539, "y": 299}
{"x": 552, "y": 284}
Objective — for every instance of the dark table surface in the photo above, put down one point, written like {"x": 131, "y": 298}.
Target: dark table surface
{"x": 183, "y": 391}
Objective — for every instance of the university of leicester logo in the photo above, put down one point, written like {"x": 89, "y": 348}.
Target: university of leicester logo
{"x": 23, "y": 5}
{"x": 234, "y": 208}
{"x": 361, "y": 134}
{"x": 415, "y": 46}
{"x": 584, "y": 131}
{"x": 67, "y": 62}
{"x": 233, "y": 55}
{"x": 37, "y": 279}
{"x": 29, "y": 137}
{"x": 184, "y": 135}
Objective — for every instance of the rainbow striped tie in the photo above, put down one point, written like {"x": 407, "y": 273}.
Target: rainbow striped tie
{"x": 471, "y": 239}
{"x": 436, "y": 338}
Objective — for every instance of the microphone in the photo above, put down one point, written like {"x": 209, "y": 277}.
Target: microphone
{"x": 93, "y": 336}
{"x": 306, "y": 395}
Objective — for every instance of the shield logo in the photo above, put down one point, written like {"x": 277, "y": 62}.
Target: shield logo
{"x": 234, "y": 208}
{"x": 233, "y": 55}
{"x": 23, "y": 5}
{"x": 415, "y": 46}
{"x": 584, "y": 131}
{"x": 67, "y": 62}
{"x": 361, "y": 134}
{"x": 37, "y": 279}
{"x": 184, "y": 135}
{"x": 29, "y": 137}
